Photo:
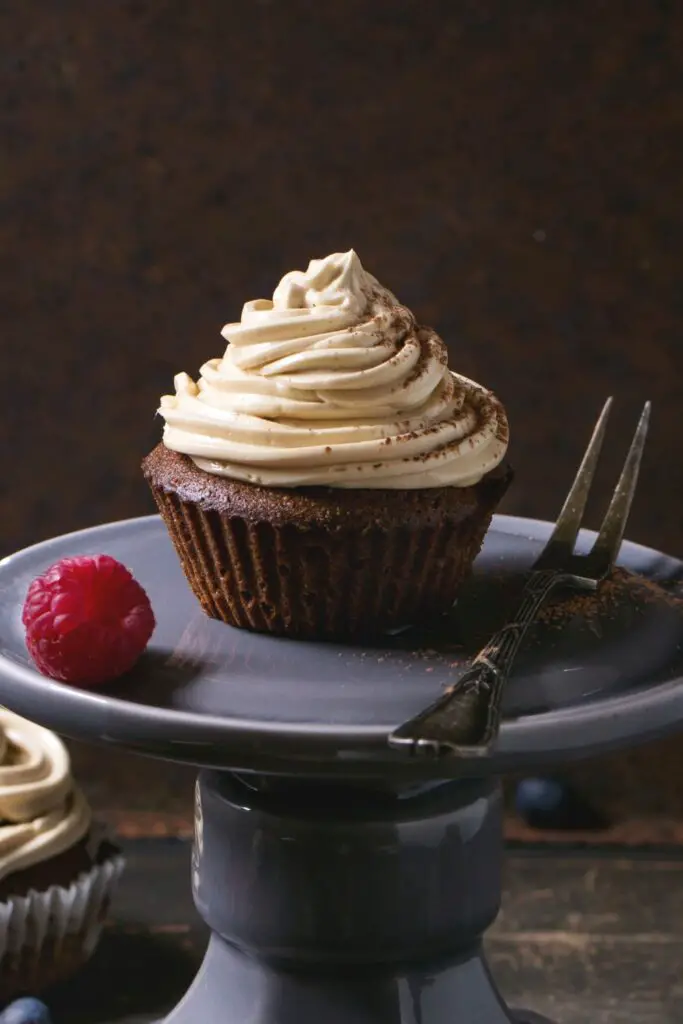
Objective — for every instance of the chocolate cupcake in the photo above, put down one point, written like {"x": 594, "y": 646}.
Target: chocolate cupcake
{"x": 57, "y": 873}
{"x": 329, "y": 477}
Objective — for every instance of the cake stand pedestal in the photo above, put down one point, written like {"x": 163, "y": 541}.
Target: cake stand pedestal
{"x": 342, "y": 882}
{"x": 329, "y": 903}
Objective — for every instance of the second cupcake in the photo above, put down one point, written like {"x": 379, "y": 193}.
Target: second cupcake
{"x": 57, "y": 873}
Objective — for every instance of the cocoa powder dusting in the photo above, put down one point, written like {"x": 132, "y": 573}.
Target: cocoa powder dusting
{"x": 607, "y": 598}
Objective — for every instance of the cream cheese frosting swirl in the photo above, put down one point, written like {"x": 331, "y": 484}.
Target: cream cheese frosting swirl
{"x": 332, "y": 382}
{"x": 42, "y": 812}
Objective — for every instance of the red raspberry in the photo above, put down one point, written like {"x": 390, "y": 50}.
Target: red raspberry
{"x": 87, "y": 620}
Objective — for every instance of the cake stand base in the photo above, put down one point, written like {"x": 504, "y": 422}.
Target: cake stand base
{"x": 343, "y": 904}
{"x": 232, "y": 987}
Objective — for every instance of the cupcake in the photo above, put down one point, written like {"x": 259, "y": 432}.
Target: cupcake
{"x": 56, "y": 874}
{"x": 329, "y": 477}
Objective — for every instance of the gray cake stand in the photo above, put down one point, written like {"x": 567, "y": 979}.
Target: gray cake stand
{"x": 344, "y": 883}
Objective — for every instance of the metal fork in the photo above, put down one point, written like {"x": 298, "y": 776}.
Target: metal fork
{"x": 465, "y": 720}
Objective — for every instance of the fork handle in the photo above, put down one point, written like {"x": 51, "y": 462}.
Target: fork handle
{"x": 466, "y": 719}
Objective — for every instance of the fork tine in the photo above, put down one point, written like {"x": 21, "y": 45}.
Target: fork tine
{"x": 613, "y": 525}
{"x": 570, "y": 518}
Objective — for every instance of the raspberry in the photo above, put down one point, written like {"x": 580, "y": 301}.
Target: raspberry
{"x": 87, "y": 620}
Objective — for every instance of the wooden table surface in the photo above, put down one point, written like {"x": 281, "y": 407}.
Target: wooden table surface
{"x": 639, "y": 792}
{"x": 585, "y": 938}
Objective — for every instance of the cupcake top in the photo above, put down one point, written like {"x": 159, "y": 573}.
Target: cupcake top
{"x": 42, "y": 812}
{"x": 332, "y": 382}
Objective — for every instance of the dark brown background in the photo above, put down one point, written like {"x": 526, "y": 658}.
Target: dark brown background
{"x": 168, "y": 160}
{"x": 512, "y": 170}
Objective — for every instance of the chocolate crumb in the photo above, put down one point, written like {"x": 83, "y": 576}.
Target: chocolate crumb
{"x": 607, "y": 598}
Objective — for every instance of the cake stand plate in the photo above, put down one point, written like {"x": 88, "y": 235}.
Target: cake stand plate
{"x": 343, "y": 882}
{"x": 221, "y": 697}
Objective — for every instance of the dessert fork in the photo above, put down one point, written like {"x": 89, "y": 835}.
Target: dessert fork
{"x": 465, "y": 720}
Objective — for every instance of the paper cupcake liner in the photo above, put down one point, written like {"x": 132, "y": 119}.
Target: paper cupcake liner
{"x": 317, "y": 584}
{"x": 45, "y": 936}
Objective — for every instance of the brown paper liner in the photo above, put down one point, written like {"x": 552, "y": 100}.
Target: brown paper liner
{"x": 313, "y": 583}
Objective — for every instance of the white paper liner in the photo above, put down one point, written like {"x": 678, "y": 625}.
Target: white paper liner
{"x": 28, "y": 922}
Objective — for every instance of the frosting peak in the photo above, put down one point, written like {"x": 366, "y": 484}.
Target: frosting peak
{"x": 333, "y": 293}
{"x": 338, "y": 280}
{"x": 333, "y": 382}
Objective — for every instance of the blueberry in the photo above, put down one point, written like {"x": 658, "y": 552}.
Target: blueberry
{"x": 548, "y": 803}
{"x": 538, "y": 795}
{"x": 26, "y": 1011}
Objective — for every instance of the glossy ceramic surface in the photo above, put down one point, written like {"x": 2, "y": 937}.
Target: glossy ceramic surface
{"x": 329, "y": 904}
{"x": 212, "y": 695}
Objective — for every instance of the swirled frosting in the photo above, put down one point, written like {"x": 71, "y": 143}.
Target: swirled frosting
{"x": 42, "y": 812}
{"x": 333, "y": 382}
